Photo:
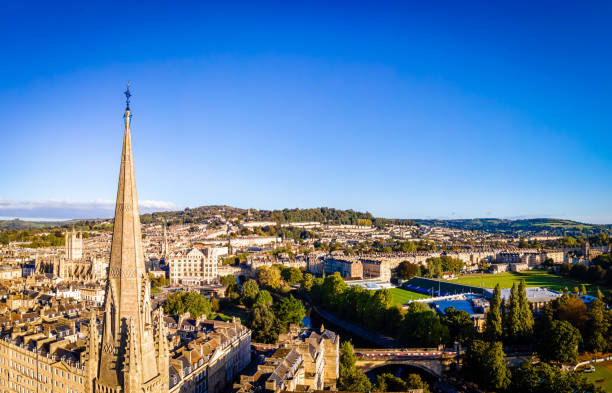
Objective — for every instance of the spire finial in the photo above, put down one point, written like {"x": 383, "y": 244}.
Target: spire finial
{"x": 127, "y": 96}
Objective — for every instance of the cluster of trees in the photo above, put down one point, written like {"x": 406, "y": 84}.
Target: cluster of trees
{"x": 599, "y": 272}
{"x": 322, "y": 214}
{"x": 563, "y": 325}
{"x": 377, "y": 246}
{"x": 279, "y": 277}
{"x": 485, "y": 365}
{"x": 438, "y": 265}
{"x": 195, "y": 303}
{"x": 556, "y": 335}
{"x": 268, "y": 317}
{"x": 418, "y": 326}
{"x": 34, "y": 237}
{"x": 567, "y": 323}
{"x": 388, "y": 382}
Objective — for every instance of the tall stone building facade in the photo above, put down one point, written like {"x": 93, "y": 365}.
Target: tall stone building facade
{"x": 193, "y": 267}
{"x": 73, "y": 245}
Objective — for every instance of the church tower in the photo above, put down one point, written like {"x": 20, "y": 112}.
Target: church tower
{"x": 73, "y": 245}
{"x": 164, "y": 241}
{"x": 128, "y": 355}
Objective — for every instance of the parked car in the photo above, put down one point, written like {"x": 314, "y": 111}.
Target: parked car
{"x": 589, "y": 369}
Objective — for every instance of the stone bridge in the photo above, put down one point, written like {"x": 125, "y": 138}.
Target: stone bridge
{"x": 434, "y": 361}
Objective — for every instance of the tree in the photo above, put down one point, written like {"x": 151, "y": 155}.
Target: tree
{"x": 289, "y": 311}
{"x": 263, "y": 298}
{"x": 434, "y": 267}
{"x": 459, "y": 323}
{"x": 512, "y": 316}
{"x": 377, "y": 307}
{"x": 493, "y": 323}
{"x": 249, "y": 292}
{"x": 559, "y": 343}
{"x": 596, "y": 339}
{"x": 422, "y": 327}
{"x": 393, "y": 319}
{"x": 351, "y": 379}
{"x": 407, "y": 270}
{"x": 292, "y": 275}
{"x": 571, "y": 309}
{"x": 269, "y": 277}
{"x": 388, "y": 382}
{"x": 197, "y": 304}
{"x": 180, "y": 302}
{"x": 525, "y": 313}
{"x": 307, "y": 282}
{"x": 228, "y": 280}
{"x": 414, "y": 381}
{"x": 332, "y": 289}
{"x": 264, "y": 325}
{"x": 485, "y": 364}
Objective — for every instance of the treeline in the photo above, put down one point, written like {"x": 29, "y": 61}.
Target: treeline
{"x": 416, "y": 327}
{"x": 599, "y": 272}
{"x": 18, "y": 225}
{"x": 377, "y": 246}
{"x": 537, "y": 225}
{"x": 434, "y": 267}
{"x": 33, "y": 237}
{"x": 294, "y": 233}
{"x": 205, "y": 213}
{"x": 323, "y": 215}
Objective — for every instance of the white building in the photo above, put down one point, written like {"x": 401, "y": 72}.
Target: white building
{"x": 193, "y": 267}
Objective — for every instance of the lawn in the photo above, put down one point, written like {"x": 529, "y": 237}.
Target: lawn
{"x": 533, "y": 278}
{"x": 401, "y": 296}
{"x": 602, "y": 376}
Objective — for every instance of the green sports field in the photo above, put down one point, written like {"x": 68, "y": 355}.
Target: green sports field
{"x": 533, "y": 278}
{"x": 401, "y": 296}
{"x": 602, "y": 376}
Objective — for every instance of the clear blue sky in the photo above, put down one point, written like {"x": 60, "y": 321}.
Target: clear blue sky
{"x": 448, "y": 109}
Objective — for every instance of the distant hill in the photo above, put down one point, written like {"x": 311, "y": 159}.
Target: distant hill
{"x": 543, "y": 226}
{"x": 549, "y": 226}
{"x": 18, "y": 225}
{"x": 320, "y": 214}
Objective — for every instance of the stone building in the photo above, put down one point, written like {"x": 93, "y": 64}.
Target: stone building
{"x": 193, "y": 267}
{"x": 305, "y": 360}
{"x": 73, "y": 245}
{"x": 345, "y": 266}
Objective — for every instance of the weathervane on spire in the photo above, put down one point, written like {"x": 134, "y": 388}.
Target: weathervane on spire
{"x": 127, "y": 96}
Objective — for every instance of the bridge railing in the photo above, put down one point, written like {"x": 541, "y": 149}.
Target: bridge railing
{"x": 403, "y": 353}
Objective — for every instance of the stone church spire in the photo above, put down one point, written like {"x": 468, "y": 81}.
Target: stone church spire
{"x": 127, "y": 307}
